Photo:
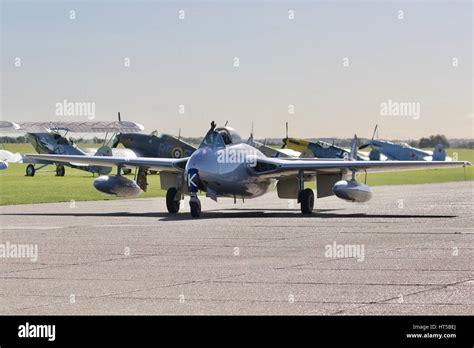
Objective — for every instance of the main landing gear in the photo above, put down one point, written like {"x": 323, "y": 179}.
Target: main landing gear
{"x": 60, "y": 171}
{"x": 31, "y": 170}
{"x": 305, "y": 196}
{"x": 171, "y": 202}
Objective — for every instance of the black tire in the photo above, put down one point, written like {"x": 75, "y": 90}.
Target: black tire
{"x": 195, "y": 209}
{"x": 142, "y": 179}
{"x": 307, "y": 201}
{"x": 60, "y": 171}
{"x": 30, "y": 170}
{"x": 171, "y": 204}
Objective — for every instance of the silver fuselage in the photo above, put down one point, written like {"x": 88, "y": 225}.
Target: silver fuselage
{"x": 227, "y": 170}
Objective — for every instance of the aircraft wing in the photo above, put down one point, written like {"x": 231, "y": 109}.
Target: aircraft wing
{"x": 6, "y": 126}
{"x": 82, "y": 127}
{"x": 7, "y": 156}
{"x": 158, "y": 164}
{"x": 278, "y": 168}
{"x": 117, "y": 152}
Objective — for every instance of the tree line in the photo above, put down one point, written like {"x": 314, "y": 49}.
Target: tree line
{"x": 425, "y": 142}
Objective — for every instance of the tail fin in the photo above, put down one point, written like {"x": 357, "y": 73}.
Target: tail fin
{"x": 439, "y": 153}
{"x": 353, "y": 155}
{"x": 250, "y": 139}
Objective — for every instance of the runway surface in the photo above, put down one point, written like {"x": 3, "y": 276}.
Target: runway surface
{"x": 261, "y": 257}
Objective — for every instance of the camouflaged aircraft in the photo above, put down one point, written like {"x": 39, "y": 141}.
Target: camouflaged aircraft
{"x": 226, "y": 166}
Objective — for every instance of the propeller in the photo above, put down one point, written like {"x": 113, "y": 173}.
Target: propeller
{"x": 375, "y": 130}
{"x": 370, "y": 142}
{"x": 285, "y": 140}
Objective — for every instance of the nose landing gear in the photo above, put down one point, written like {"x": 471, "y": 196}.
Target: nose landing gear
{"x": 193, "y": 188}
{"x": 195, "y": 205}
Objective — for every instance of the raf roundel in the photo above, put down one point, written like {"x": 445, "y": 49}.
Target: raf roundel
{"x": 177, "y": 152}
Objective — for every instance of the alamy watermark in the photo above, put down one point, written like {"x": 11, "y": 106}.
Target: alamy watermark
{"x": 68, "y": 108}
{"x": 233, "y": 156}
{"x": 395, "y": 108}
{"x": 17, "y": 251}
{"x": 335, "y": 250}
{"x": 28, "y": 330}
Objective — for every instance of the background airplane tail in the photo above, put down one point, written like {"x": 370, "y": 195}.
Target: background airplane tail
{"x": 439, "y": 153}
{"x": 353, "y": 155}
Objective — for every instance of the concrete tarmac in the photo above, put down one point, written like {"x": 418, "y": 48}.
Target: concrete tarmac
{"x": 410, "y": 250}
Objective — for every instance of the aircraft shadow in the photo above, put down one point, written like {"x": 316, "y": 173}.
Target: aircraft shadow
{"x": 244, "y": 213}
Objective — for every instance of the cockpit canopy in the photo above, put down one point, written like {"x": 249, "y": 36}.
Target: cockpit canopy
{"x": 221, "y": 137}
{"x": 60, "y": 140}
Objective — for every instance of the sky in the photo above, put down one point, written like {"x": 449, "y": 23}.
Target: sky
{"x": 328, "y": 68}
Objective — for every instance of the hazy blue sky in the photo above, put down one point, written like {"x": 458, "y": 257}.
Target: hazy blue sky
{"x": 283, "y": 62}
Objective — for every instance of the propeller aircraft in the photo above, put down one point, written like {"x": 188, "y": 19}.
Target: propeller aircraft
{"x": 226, "y": 166}
{"x": 402, "y": 151}
{"x": 317, "y": 149}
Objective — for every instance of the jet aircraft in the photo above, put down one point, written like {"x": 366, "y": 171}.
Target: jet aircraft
{"x": 226, "y": 166}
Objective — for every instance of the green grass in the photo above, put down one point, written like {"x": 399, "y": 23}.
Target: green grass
{"x": 21, "y": 148}
{"x": 426, "y": 176}
{"x": 45, "y": 187}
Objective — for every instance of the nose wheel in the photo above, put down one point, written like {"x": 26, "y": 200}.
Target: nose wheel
{"x": 195, "y": 205}
{"x": 306, "y": 199}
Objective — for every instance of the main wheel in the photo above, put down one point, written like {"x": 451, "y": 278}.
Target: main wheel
{"x": 60, "y": 171}
{"x": 307, "y": 201}
{"x": 195, "y": 209}
{"x": 30, "y": 170}
{"x": 171, "y": 203}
